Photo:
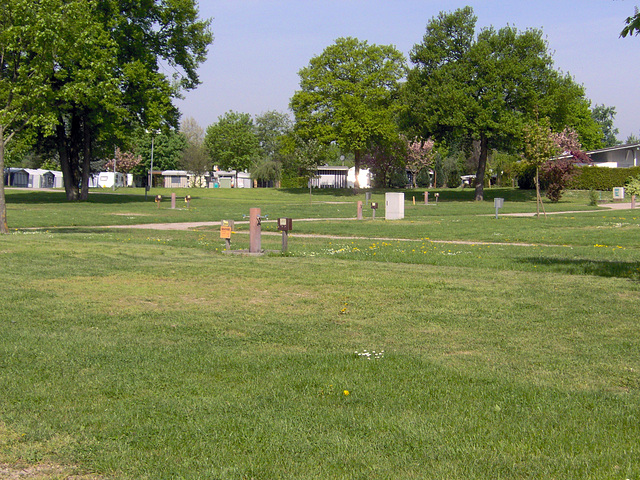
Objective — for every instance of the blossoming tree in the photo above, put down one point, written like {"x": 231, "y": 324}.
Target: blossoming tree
{"x": 420, "y": 155}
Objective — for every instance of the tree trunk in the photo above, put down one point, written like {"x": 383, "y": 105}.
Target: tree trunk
{"x": 356, "y": 183}
{"x": 4, "y": 228}
{"x": 537, "y": 192}
{"x": 538, "y": 196}
{"x": 66, "y": 164}
{"x": 86, "y": 160}
{"x": 482, "y": 166}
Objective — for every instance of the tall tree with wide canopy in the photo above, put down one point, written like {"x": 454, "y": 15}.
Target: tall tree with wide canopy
{"x": 231, "y": 142}
{"x": 486, "y": 86}
{"x": 101, "y": 95}
{"x": 34, "y": 37}
{"x": 348, "y": 95}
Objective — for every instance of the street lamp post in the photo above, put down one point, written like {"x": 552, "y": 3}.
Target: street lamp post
{"x": 150, "y": 176}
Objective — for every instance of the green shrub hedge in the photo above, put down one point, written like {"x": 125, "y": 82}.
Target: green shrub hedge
{"x": 602, "y": 178}
{"x": 294, "y": 182}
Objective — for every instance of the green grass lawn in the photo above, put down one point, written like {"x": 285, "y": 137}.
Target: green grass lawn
{"x": 129, "y": 354}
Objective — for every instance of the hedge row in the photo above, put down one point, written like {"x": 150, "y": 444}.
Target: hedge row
{"x": 602, "y": 178}
{"x": 294, "y": 182}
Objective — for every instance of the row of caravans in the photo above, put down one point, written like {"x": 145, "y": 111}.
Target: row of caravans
{"x": 32, "y": 178}
{"x": 40, "y": 178}
{"x": 326, "y": 177}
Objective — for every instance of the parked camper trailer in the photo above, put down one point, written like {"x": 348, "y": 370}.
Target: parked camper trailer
{"x": 106, "y": 179}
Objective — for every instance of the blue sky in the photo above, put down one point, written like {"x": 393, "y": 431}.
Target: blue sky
{"x": 260, "y": 45}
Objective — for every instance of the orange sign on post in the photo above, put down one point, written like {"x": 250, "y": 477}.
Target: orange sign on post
{"x": 225, "y": 231}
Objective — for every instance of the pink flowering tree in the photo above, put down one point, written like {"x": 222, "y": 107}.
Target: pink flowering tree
{"x": 541, "y": 147}
{"x": 559, "y": 171}
{"x": 125, "y": 161}
{"x": 420, "y": 155}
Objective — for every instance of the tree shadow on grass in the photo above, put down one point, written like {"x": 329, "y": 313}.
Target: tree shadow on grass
{"x": 600, "y": 268}
{"x": 39, "y": 197}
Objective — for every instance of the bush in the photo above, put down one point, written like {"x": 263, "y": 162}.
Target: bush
{"x": 601, "y": 178}
{"x": 398, "y": 179}
{"x": 294, "y": 182}
{"x": 527, "y": 177}
{"x": 632, "y": 186}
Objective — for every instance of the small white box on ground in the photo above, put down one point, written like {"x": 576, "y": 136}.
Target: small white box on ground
{"x": 394, "y": 206}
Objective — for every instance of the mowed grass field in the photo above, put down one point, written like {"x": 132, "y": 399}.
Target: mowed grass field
{"x": 446, "y": 345}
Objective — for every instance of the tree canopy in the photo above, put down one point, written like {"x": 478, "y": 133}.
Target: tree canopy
{"x": 111, "y": 82}
{"x": 486, "y": 86}
{"x": 348, "y": 95}
{"x": 604, "y": 116}
{"x": 35, "y": 37}
{"x": 231, "y": 142}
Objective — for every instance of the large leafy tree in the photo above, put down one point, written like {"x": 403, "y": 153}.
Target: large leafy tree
{"x": 271, "y": 129}
{"x": 194, "y": 157}
{"x": 168, "y": 150}
{"x": 114, "y": 82}
{"x": 486, "y": 86}
{"x": 604, "y": 116}
{"x": 231, "y": 142}
{"x": 348, "y": 95}
{"x": 34, "y": 38}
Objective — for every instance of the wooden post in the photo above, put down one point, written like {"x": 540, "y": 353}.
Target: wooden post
{"x": 173, "y": 201}
{"x": 426, "y": 198}
{"x": 226, "y": 227}
{"x": 255, "y": 231}
{"x": 359, "y": 210}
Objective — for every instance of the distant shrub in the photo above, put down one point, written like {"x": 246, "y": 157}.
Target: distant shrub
{"x": 294, "y": 182}
{"x": 526, "y": 177}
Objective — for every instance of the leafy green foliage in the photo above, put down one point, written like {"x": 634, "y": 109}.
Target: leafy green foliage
{"x": 599, "y": 178}
{"x": 486, "y": 87}
{"x": 111, "y": 82}
{"x": 34, "y": 37}
{"x": 168, "y": 150}
{"x": 632, "y": 186}
{"x": 632, "y": 26}
{"x": 605, "y": 116}
{"x": 271, "y": 129}
{"x": 231, "y": 142}
{"x": 348, "y": 96}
